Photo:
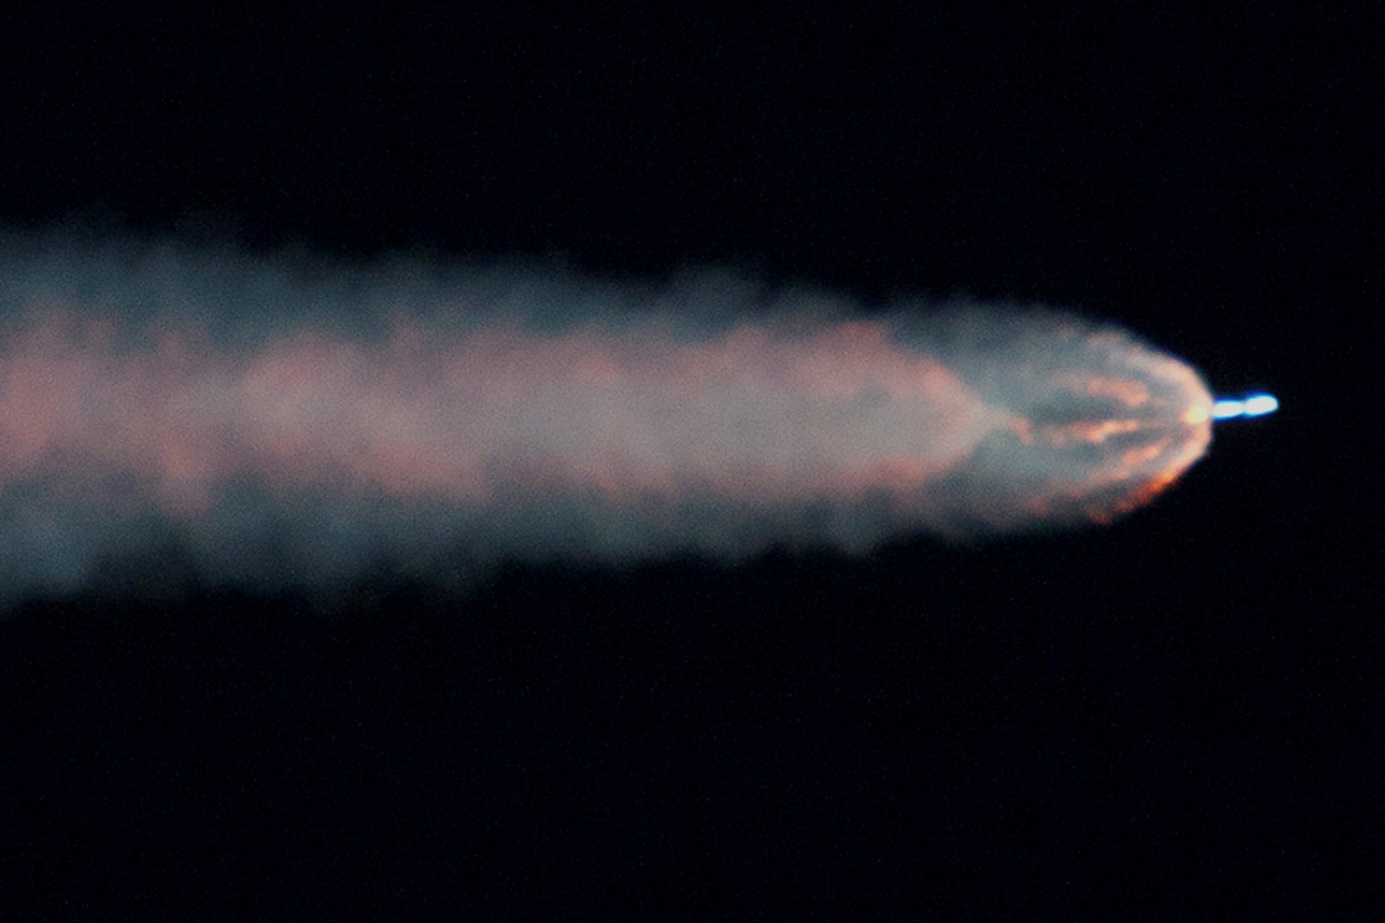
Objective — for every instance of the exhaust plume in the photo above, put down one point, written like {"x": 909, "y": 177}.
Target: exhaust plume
{"x": 290, "y": 422}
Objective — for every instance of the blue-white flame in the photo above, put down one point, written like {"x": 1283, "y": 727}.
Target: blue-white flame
{"x": 1252, "y": 405}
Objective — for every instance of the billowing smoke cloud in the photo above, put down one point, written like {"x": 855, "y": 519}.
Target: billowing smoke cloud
{"x": 292, "y": 422}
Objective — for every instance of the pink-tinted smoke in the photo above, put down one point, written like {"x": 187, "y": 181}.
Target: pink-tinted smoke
{"x": 469, "y": 429}
{"x": 755, "y": 416}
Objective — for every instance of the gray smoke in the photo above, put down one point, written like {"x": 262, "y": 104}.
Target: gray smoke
{"x": 172, "y": 416}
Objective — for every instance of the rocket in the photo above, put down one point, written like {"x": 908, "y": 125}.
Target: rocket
{"x": 1252, "y": 405}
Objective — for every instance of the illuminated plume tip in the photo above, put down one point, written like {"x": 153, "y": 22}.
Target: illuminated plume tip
{"x": 1253, "y": 405}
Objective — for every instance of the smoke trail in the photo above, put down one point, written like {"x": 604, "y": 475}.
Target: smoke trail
{"x": 288, "y": 422}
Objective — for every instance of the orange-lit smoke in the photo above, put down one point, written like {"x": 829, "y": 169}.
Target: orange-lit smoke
{"x": 228, "y": 408}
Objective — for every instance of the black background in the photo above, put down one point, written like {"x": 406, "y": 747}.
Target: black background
{"x": 1179, "y": 716}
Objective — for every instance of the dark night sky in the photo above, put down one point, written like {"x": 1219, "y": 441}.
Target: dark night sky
{"x": 1180, "y": 713}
